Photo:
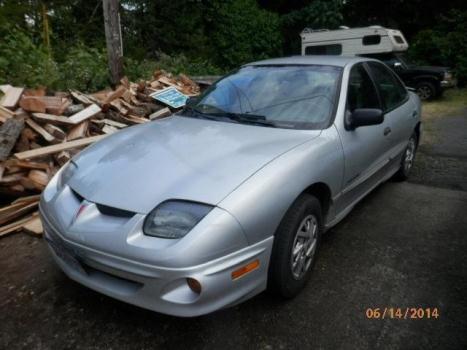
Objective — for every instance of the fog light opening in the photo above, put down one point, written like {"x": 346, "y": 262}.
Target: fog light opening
{"x": 194, "y": 285}
{"x": 245, "y": 269}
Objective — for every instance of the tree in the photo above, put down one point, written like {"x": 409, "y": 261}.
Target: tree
{"x": 113, "y": 36}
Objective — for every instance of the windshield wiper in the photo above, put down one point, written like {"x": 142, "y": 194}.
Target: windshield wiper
{"x": 195, "y": 113}
{"x": 247, "y": 118}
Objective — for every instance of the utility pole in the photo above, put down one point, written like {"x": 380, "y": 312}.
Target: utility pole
{"x": 113, "y": 38}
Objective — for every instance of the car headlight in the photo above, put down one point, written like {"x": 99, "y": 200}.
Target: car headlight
{"x": 66, "y": 174}
{"x": 174, "y": 218}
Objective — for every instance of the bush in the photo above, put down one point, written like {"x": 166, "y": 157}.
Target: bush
{"x": 241, "y": 32}
{"x": 23, "y": 63}
{"x": 175, "y": 64}
{"x": 444, "y": 45}
{"x": 84, "y": 69}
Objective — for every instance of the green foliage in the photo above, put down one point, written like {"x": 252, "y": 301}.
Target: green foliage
{"x": 445, "y": 44}
{"x": 85, "y": 69}
{"x": 22, "y": 62}
{"x": 241, "y": 32}
{"x": 317, "y": 15}
{"x": 175, "y": 64}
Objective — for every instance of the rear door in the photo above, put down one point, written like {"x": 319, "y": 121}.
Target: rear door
{"x": 399, "y": 112}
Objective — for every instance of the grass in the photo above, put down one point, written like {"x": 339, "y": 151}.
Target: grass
{"x": 453, "y": 102}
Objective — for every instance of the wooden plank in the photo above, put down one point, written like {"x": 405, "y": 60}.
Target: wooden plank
{"x": 27, "y": 199}
{"x": 6, "y": 113}
{"x": 26, "y": 164}
{"x": 58, "y": 148}
{"x": 108, "y": 129}
{"x": 11, "y": 98}
{"x": 5, "y": 218}
{"x": 15, "y": 226}
{"x": 110, "y": 122}
{"x": 86, "y": 113}
{"x": 53, "y": 119}
{"x": 58, "y": 133}
{"x": 78, "y": 131}
{"x": 32, "y": 104}
{"x": 12, "y": 179}
{"x": 164, "y": 112}
{"x": 56, "y": 105}
{"x": 115, "y": 94}
{"x": 39, "y": 178}
{"x": 82, "y": 98}
{"x": 63, "y": 157}
{"x": 34, "y": 226}
{"x": 117, "y": 104}
{"x": 40, "y": 130}
{"x": 9, "y": 133}
{"x": 4, "y": 88}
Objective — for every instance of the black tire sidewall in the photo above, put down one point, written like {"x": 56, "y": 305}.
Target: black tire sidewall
{"x": 280, "y": 279}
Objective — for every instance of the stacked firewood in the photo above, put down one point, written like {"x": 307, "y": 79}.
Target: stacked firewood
{"x": 39, "y": 133}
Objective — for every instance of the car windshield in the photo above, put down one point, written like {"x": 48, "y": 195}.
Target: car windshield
{"x": 301, "y": 97}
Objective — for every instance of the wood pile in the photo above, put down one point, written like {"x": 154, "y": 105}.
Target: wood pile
{"x": 39, "y": 133}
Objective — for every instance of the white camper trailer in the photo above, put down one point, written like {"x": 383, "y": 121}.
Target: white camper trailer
{"x": 352, "y": 41}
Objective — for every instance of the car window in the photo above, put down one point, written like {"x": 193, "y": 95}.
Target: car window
{"x": 332, "y": 49}
{"x": 392, "y": 92}
{"x": 361, "y": 92}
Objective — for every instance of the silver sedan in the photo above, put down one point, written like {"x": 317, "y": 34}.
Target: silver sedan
{"x": 229, "y": 197}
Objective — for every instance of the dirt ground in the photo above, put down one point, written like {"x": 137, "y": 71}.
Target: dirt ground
{"x": 402, "y": 246}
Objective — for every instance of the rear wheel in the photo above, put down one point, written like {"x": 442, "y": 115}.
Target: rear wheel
{"x": 295, "y": 246}
{"x": 426, "y": 90}
{"x": 407, "y": 159}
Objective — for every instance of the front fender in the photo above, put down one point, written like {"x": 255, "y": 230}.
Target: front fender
{"x": 260, "y": 203}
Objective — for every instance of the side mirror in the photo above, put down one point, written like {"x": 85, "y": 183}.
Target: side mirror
{"x": 397, "y": 65}
{"x": 365, "y": 116}
{"x": 190, "y": 101}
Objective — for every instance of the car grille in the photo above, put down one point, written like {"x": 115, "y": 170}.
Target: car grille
{"x": 105, "y": 209}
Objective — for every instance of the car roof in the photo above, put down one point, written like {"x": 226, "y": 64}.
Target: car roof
{"x": 327, "y": 60}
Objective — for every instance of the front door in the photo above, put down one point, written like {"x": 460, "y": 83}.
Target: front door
{"x": 366, "y": 149}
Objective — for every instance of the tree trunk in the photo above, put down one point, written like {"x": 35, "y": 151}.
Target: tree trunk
{"x": 114, "y": 39}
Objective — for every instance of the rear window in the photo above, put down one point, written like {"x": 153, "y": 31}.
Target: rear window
{"x": 332, "y": 49}
{"x": 398, "y": 39}
{"x": 371, "y": 39}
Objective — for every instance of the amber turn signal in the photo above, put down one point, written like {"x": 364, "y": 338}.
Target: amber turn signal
{"x": 194, "y": 285}
{"x": 245, "y": 269}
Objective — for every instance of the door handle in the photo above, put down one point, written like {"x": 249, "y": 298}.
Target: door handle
{"x": 387, "y": 131}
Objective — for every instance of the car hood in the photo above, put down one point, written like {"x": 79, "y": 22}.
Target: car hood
{"x": 177, "y": 158}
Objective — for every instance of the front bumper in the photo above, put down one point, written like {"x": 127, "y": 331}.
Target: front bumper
{"x": 157, "y": 288}
{"x": 446, "y": 84}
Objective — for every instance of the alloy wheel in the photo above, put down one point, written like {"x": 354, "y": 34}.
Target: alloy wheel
{"x": 424, "y": 92}
{"x": 409, "y": 155}
{"x": 304, "y": 246}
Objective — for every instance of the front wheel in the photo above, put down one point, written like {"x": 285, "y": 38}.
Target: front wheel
{"x": 407, "y": 159}
{"x": 295, "y": 245}
{"x": 426, "y": 90}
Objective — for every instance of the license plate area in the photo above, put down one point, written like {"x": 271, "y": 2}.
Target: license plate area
{"x": 63, "y": 253}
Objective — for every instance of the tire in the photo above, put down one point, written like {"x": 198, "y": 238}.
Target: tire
{"x": 426, "y": 90}
{"x": 407, "y": 159}
{"x": 288, "y": 272}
